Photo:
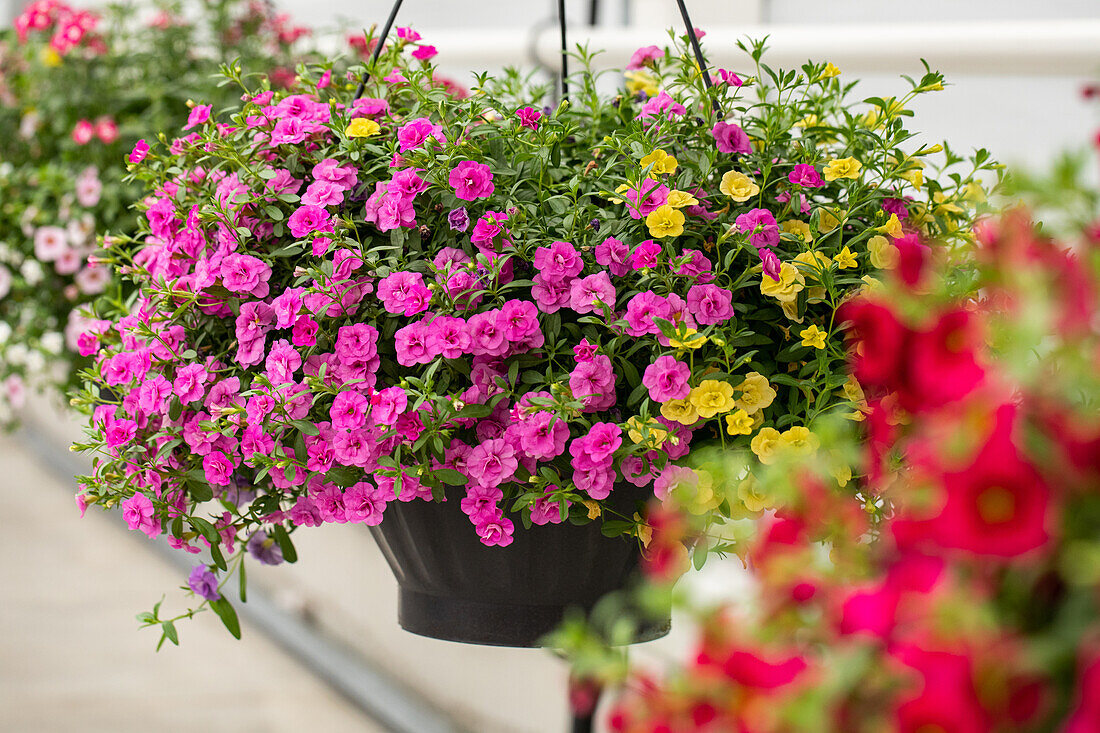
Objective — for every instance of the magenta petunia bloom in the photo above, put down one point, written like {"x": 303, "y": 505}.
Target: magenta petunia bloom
{"x": 140, "y": 150}
{"x": 323, "y": 193}
{"x": 558, "y": 262}
{"x": 217, "y": 468}
{"x": 139, "y": 513}
{"x": 642, "y": 309}
{"x": 771, "y": 264}
{"x": 543, "y": 435}
{"x": 496, "y": 531}
{"x": 614, "y": 255}
{"x": 587, "y": 294}
{"x": 492, "y": 463}
{"x": 601, "y": 442}
{"x": 760, "y": 226}
{"x": 423, "y": 53}
{"x": 710, "y": 304}
{"x": 805, "y": 176}
{"x": 404, "y": 293}
{"x": 730, "y": 138}
{"x": 546, "y": 510}
{"x": 471, "y": 180}
{"x": 529, "y": 117}
{"x": 644, "y": 56}
{"x": 364, "y": 503}
{"x": 308, "y": 219}
{"x": 413, "y": 133}
{"x": 245, "y": 274}
{"x": 200, "y": 114}
{"x": 391, "y": 402}
{"x": 667, "y": 379}
{"x": 646, "y": 254}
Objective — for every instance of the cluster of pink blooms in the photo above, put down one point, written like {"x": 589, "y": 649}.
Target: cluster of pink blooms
{"x": 104, "y": 128}
{"x": 71, "y": 28}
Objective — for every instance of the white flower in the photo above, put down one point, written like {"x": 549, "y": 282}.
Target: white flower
{"x": 80, "y": 230}
{"x": 36, "y": 362}
{"x": 50, "y": 243}
{"x": 17, "y": 354}
{"x": 5, "y": 281}
{"x": 28, "y": 125}
{"x": 53, "y": 342}
{"x": 32, "y": 272}
{"x": 5, "y": 332}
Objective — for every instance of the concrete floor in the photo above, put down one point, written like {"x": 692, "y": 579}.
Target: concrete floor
{"x": 72, "y": 657}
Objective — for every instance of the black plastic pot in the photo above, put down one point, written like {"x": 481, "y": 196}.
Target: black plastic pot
{"x": 454, "y": 588}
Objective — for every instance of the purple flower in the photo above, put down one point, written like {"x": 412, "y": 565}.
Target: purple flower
{"x": 760, "y": 226}
{"x": 529, "y": 117}
{"x": 203, "y": 583}
{"x": 264, "y": 549}
{"x": 730, "y": 138}
{"x": 459, "y": 219}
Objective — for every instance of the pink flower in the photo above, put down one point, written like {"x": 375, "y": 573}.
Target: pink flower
{"x": 760, "y": 226}
{"x": 106, "y": 130}
{"x": 349, "y": 410}
{"x": 487, "y": 229}
{"x": 120, "y": 432}
{"x": 647, "y": 198}
{"x": 543, "y": 435}
{"x": 245, "y": 274}
{"x": 411, "y": 344}
{"x": 584, "y": 351}
{"x": 423, "y": 53}
{"x": 307, "y": 219}
{"x": 519, "y": 319}
{"x": 492, "y": 463}
{"x": 217, "y": 468}
{"x": 404, "y": 293}
{"x": 646, "y": 254}
{"x": 550, "y": 295}
{"x": 771, "y": 263}
{"x": 710, "y": 304}
{"x": 693, "y": 264}
{"x": 587, "y": 294}
{"x": 304, "y": 332}
{"x": 413, "y": 133}
{"x": 330, "y": 170}
{"x": 408, "y": 34}
{"x": 406, "y": 183}
{"x": 325, "y": 80}
{"x": 560, "y": 261}
{"x": 644, "y": 56}
{"x": 601, "y": 442}
{"x": 487, "y": 334}
{"x": 282, "y": 361}
{"x": 667, "y": 379}
{"x": 323, "y": 193}
{"x": 471, "y": 180}
{"x": 613, "y": 254}
{"x": 200, "y": 114}
{"x": 50, "y": 243}
{"x": 529, "y": 117}
{"x": 449, "y": 337}
{"x": 593, "y": 382}
{"x": 730, "y": 138}
{"x": 140, "y": 150}
{"x": 546, "y": 510}
{"x": 642, "y": 309}
{"x": 190, "y": 382}
{"x": 496, "y": 531}
{"x": 364, "y": 503}
{"x": 480, "y": 501}
{"x": 662, "y": 106}
{"x": 391, "y": 402}
{"x": 805, "y": 176}
{"x": 596, "y": 481}
{"x": 83, "y": 132}
{"x": 139, "y": 514}
{"x": 369, "y": 107}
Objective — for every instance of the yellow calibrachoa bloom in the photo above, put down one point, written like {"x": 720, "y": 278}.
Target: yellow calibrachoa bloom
{"x": 872, "y": 284}
{"x": 813, "y": 336}
{"x": 641, "y": 81}
{"x": 738, "y": 186}
{"x": 892, "y": 227}
{"x": 739, "y": 423}
{"x": 688, "y": 341}
{"x": 799, "y": 438}
{"x": 814, "y": 263}
{"x": 50, "y": 57}
{"x": 712, "y": 397}
{"x": 765, "y": 445}
{"x": 798, "y": 228}
{"x": 845, "y": 258}
{"x": 791, "y": 282}
{"x": 830, "y": 71}
{"x": 681, "y": 411}
{"x": 884, "y": 255}
{"x": 755, "y": 500}
{"x": 756, "y": 393}
{"x": 915, "y": 176}
{"x": 636, "y": 429}
{"x": 840, "y": 470}
{"x": 665, "y": 222}
{"x": 827, "y": 221}
{"x": 662, "y": 163}
{"x": 680, "y": 199}
{"x": 842, "y": 168}
{"x": 362, "y": 127}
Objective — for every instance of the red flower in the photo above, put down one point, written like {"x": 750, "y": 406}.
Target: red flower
{"x": 877, "y": 339}
{"x": 947, "y": 700}
{"x": 753, "y": 667}
{"x": 913, "y": 258}
{"x": 941, "y": 363}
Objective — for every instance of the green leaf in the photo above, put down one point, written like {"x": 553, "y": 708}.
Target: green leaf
{"x": 228, "y": 615}
{"x": 306, "y": 427}
{"x": 217, "y": 557}
{"x": 242, "y": 584}
{"x": 450, "y": 477}
{"x": 283, "y": 540}
{"x": 206, "y": 529}
{"x": 169, "y": 629}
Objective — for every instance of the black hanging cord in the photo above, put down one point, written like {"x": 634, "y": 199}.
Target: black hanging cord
{"x": 593, "y": 12}
{"x": 694, "y": 38}
{"x": 378, "y": 47}
{"x": 564, "y": 52}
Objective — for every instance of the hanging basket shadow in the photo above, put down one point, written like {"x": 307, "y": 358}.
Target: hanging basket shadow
{"x": 454, "y": 588}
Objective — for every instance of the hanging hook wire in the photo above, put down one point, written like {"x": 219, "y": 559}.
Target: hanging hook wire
{"x": 693, "y": 37}
{"x": 564, "y": 52}
{"x": 378, "y": 48}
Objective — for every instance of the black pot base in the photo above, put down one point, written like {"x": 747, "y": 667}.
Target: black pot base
{"x": 489, "y": 624}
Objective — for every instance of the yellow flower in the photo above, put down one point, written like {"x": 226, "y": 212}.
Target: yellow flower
{"x": 845, "y": 258}
{"x": 789, "y": 286}
{"x": 842, "y": 168}
{"x": 680, "y": 199}
{"x": 665, "y": 222}
{"x": 884, "y": 255}
{"x": 681, "y": 411}
{"x": 712, "y": 397}
{"x": 945, "y": 205}
{"x": 739, "y": 423}
{"x": 636, "y": 430}
{"x": 622, "y": 188}
{"x": 827, "y": 221}
{"x": 915, "y": 176}
{"x": 593, "y": 508}
{"x": 688, "y": 341}
{"x": 765, "y": 445}
{"x": 840, "y": 470}
{"x": 975, "y": 193}
{"x": 872, "y": 284}
{"x": 738, "y": 186}
{"x": 892, "y": 227}
{"x": 853, "y": 390}
{"x": 813, "y": 262}
{"x": 800, "y": 439}
{"x": 641, "y": 81}
{"x": 756, "y": 393}
{"x": 662, "y": 163}
{"x": 807, "y": 121}
{"x": 790, "y": 310}
{"x": 643, "y": 530}
{"x": 755, "y": 500}
{"x": 871, "y": 120}
{"x": 813, "y": 336}
{"x": 830, "y": 71}
{"x": 798, "y": 228}
{"x": 362, "y": 127}
{"x": 50, "y": 57}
